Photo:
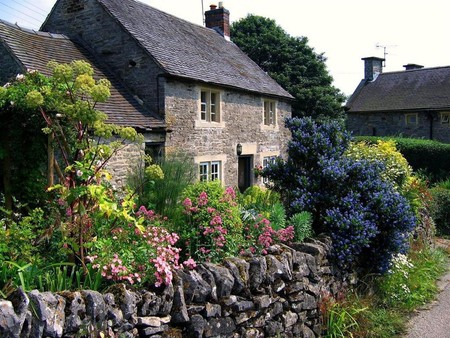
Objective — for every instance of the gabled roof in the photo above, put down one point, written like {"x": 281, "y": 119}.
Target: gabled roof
{"x": 418, "y": 89}
{"x": 187, "y": 50}
{"x": 33, "y": 50}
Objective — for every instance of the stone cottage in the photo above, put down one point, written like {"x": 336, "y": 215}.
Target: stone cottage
{"x": 216, "y": 103}
{"x": 412, "y": 103}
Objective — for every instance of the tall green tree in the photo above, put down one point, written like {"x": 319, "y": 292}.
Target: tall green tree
{"x": 292, "y": 63}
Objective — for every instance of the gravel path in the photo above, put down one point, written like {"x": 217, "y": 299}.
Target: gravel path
{"x": 434, "y": 320}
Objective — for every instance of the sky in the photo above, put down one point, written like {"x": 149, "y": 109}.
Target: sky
{"x": 345, "y": 31}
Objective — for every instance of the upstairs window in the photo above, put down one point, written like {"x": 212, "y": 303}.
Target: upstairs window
{"x": 210, "y": 106}
{"x": 445, "y": 117}
{"x": 411, "y": 120}
{"x": 270, "y": 114}
{"x": 209, "y": 171}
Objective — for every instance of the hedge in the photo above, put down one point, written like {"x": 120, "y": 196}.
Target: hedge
{"x": 430, "y": 157}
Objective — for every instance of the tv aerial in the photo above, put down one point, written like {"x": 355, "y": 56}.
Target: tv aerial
{"x": 378, "y": 45}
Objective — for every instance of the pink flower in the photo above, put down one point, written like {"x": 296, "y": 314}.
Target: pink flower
{"x": 190, "y": 263}
{"x": 203, "y": 199}
{"x": 187, "y": 203}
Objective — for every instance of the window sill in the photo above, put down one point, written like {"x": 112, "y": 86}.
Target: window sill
{"x": 203, "y": 124}
{"x": 270, "y": 127}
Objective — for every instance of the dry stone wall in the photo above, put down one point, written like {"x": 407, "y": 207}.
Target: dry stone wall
{"x": 276, "y": 295}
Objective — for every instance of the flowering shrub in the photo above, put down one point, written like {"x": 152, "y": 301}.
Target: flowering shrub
{"x": 212, "y": 228}
{"x": 368, "y": 220}
{"x": 259, "y": 235}
{"x": 396, "y": 168}
{"x": 125, "y": 252}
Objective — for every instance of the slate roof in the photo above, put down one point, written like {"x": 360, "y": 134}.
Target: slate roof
{"x": 33, "y": 50}
{"x": 187, "y": 50}
{"x": 417, "y": 89}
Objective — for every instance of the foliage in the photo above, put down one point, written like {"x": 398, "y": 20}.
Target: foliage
{"x": 123, "y": 251}
{"x": 92, "y": 218}
{"x": 302, "y": 223}
{"x": 396, "y": 168}
{"x": 440, "y": 208}
{"x": 213, "y": 227}
{"x": 163, "y": 195}
{"x": 292, "y": 63}
{"x": 430, "y": 157}
{"x": 259, "y": 235}
{"x": 53, "y": 277}
{"x": 339, "y": 317}
{"x": 22, "y": 148}
{"x": 349, "y": 200}
{"x": 28, "y": 237}
{"x": 411, "y": 280}
{"x": 392, "y": 298}
{"x": 258, "y": 199}
{"x": 277, "y": 216}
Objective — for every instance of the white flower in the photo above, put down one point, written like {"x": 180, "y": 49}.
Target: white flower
{"x": 6, "y": 85}
{"x": 79, "y": 173}
{"x": 20, "y": 77}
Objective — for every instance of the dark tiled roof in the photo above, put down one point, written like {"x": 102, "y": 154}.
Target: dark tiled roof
{"x": 184, "y": 49}
{"x": 418, "y": 89}
{"x": 35, "y": 49}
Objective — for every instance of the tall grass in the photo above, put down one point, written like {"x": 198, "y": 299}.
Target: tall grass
{"x": 387, "y": 300}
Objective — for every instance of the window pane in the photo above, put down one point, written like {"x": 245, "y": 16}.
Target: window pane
{"x": 203, "y": 168}
{"x": 203, "y": 106}
{"x": 272, "y": 112}
{"x": 215, "y": 171}
{"x": 266, "y": 112}
{"x": 213, "y": 107}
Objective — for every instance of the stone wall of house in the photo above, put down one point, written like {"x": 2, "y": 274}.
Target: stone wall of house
{"x": 394, "y": 124}
{"x": 241, "y": 122}
{"x": 8, "y": 67}
{"x": 277, "y": 295}
{"x": 124, "y": 163}
{"x": 90, "y": 25}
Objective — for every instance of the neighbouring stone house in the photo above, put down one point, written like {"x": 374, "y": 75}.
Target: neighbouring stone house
{"x": 188, "y": 87}
{"x": 411, "y": 103}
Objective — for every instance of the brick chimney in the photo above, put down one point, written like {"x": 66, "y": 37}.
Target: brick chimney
{"x": 373, "y": 66}
{"x": 411, "y": 66}
{"x": 219, "y": 20}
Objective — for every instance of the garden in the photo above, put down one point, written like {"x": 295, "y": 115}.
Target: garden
{"x": 65, "y": 226}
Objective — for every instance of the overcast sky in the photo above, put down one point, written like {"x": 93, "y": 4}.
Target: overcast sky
{"x": 345, "y": 31}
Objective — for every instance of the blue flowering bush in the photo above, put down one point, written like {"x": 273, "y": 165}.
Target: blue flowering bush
{"x": 367, "y": 219}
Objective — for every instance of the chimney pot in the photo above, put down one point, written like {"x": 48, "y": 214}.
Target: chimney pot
{"x": 212, "y": 7}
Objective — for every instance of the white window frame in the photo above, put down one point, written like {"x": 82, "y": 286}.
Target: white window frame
{"x": 409, "y": 117}
{"x": 210, "y": 106}
{"x": 445, "y": 118}
{"x": 267, "y": 160}
{"x": 270, "y": 112}
{"x": 210, "y": 170}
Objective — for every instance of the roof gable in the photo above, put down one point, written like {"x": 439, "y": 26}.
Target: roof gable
{"x": 418, "y": 89}
{"x": 186, "y": 50}
{"x": 35, "y": 49}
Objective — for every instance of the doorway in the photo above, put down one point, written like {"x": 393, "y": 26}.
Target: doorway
{"x": 245, "y": 164}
